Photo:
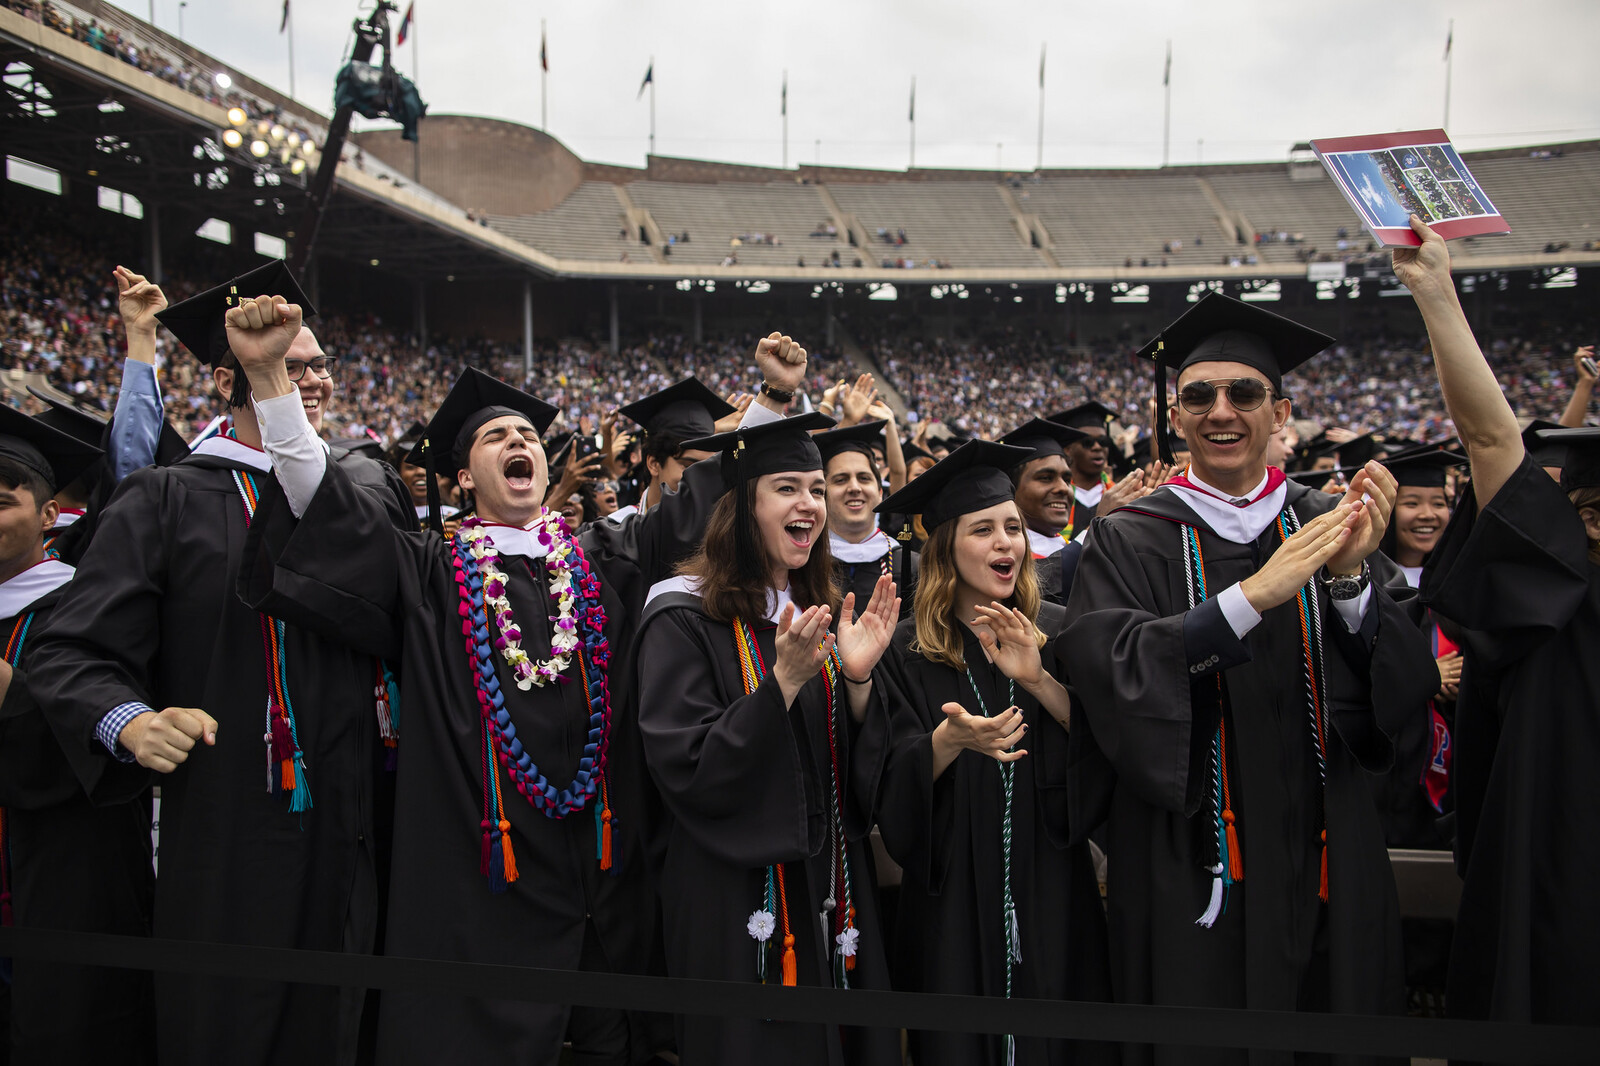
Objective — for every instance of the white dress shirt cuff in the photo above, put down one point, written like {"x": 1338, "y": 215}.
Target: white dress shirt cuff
{"x": 1351, "y": 612}
{"x": 1237, "y": 610}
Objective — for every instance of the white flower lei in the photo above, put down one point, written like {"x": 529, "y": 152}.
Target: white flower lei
{"x": 558, "y": 564}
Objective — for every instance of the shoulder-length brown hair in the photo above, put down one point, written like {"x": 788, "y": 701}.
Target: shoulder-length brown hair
{"x": 939, "y": 637}
{"x": 727, "y": 593}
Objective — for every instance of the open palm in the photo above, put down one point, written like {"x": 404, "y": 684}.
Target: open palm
{"x": 862, "y": 641}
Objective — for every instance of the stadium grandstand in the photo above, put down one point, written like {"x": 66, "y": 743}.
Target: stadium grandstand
{"x": 490, "y": 241}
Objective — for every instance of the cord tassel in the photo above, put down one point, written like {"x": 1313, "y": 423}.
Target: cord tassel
{"x": 300, "y": 799}
{"x": 1235, "y": 856}
{"x": 605, "y": 839}
{"x": 497, "y": 864}
{"x": 509, "y": 860}
{"x": 1214, "y": 910}
{"x": 791, "y": 974}
{"x": 1322, "y": 888}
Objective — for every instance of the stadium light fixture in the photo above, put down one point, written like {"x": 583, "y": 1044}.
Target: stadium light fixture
{"x": 297, "y": 167}
{"x": 263, "y": 128}
{"x": 237, "y": 117}
{"x": 294, "y": 139}
{"x": 223, "y": 81}
{"x": 259, "y": 148}
{"x": 277, "y": 133}
{"x": 232, "y": 138}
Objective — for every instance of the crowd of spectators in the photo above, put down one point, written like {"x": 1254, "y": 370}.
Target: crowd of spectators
{"x": 58, "y": 318}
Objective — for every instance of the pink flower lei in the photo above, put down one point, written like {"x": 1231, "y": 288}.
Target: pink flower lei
{"x": 558, "y": 564}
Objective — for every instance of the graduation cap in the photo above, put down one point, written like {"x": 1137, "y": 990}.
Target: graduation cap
{"x": 368, "y": 446}
{"x": 1043, "y": 438}
{"x": 1220, "y": 329}
{"x": 685, "y": 410}
{"x": 1551, "y": 452}
{"x": 57, "y": 457}
{"x": 1085, "y": 416}
{"x": 90, "y": 426}
{"x": 1356, "y": 451}
{"x": 1422, "y": 468}
{"x": 1581, "y": 466}
{"x": 914, "y": 451}
{"x": 974, "y": 476}
{"x": 750, "y": 452}
{"x": 199, "y": 321}
{"x": 1317, "y": 478}
{"x": 857, "y": 438}
{"x": 474, "y": 400}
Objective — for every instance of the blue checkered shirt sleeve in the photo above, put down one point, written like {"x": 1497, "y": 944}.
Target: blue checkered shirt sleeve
{"x": 112, "y": 725}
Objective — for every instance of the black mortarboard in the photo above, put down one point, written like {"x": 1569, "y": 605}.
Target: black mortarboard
{"x": 1357, "y": 450}
{"x": 769, "y": 448}
{"x": 413, "y": 434}
{"x": 367, "y": 446}
{"x": 1581, "y": 468}
{"x": 55, "y": 456}
{"x": 1318, "y": 478}
{"x": 199, "y": 321}
{"x": 1221, "y": 329}
{"x": 857, "y": 438}
{"x": 974, "y": 476}
{"x": 685, "y": 410}
{"x": 911, "y": 451}
{"x": 90, "y": 426}
{"x": 1085, "y": 416}
{"x": 475, "y": 398}
{"x": 1043, "y": 438}
{"x": 1544, "y": 452}
{"x": 1422, "y": 468}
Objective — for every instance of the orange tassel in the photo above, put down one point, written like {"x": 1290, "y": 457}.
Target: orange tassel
{"x": 791, "y": 973}
{"x": 506, "y": 853}
{"x": 1322, "y": 890}
{"x": 1235, "y": 856}
{"x": 605, "y": 839}
{"x": 288, "y": 775}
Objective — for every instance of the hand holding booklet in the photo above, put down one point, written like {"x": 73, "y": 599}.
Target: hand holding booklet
{"x": 1389, "y": 177}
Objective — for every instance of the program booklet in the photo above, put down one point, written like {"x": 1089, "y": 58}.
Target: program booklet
{"x": 1390, "y": 176}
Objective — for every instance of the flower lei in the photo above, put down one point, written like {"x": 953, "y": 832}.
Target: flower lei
{"x": 558, "y": 562}
{"x": 480, "y": 585}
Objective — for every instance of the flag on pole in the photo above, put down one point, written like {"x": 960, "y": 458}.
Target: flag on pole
{"x": 1166, "y": 75}
{"x": 1449, "y": 38}
{"x": 1041, "y": 66}
{"x": 405, "y": 24}
{"x": 783, "y": 100}
{"x": 283, "y": 23}
{"x": 544, "y": 51}
{"x": 649, "y": 79}
{"x": 913, "y": 115}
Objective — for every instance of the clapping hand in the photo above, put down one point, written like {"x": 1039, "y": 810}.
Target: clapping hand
{"x": 803, "y": 644}
{"x": 1378, "y": 486}
{"x": 995, "y": 737}
{"x": 1010, "y": 642}
{"x": 862, "y": 641}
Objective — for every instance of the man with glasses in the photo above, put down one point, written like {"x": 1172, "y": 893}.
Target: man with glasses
{"x": 1243, "y": 655}
{"x": 268, "y": 741}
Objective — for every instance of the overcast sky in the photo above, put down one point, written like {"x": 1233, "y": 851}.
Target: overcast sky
{"x": 1249, "y": 78}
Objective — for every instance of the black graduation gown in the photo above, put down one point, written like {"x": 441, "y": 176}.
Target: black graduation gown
{"x": 745, "y": 784}
{"x": 1142, "y": 665}
{"x": 862, "y": 578}
{"x": 950, "y": 933}
{"x": 394, "y": 594}
{"x": 1518, "y": 577}
{"x": 152, "y": 616}
{"x": 76, "y": 866}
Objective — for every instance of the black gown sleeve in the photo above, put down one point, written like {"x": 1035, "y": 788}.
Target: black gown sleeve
{"x": 97, "y": 650}
{"x": 1513, "y": 575}
{"x": 1132, "y": 665}
{"x": 332, "y": 571}
{"x": 739, "y": 777}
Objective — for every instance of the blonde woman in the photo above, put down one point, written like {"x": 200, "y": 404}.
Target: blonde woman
{"x": 966, "y": 758}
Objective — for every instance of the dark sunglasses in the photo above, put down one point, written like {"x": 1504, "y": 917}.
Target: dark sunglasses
{"x": 1245, "y": 394}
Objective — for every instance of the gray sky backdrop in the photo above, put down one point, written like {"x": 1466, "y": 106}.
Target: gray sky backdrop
{"x": 1249, "y": 77}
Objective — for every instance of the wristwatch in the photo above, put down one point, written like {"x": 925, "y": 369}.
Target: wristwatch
{"x": 776, "y": 395}
{"x": 1342, "y": 587}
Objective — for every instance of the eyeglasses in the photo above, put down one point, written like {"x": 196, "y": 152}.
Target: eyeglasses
{"x": 322, "y": 366}
{"x": 1244, "y": 394}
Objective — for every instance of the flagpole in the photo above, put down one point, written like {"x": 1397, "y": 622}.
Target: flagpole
{"x": 913, "y": 164}
{"x": 290, "y": 28}
{"x": 1449, "y": 65}
{"x": 1166, "y": 121}
{"x": 652, "y": 105}
{"x": 416, "y": 65}
{"x": 544, "y": 81}
{"x": 785, "y": 110}
{"x": 1040, "y": 164}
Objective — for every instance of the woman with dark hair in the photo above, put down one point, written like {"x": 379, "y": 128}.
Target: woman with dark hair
{"x": 1519, "y": 568}
{"x": 994, "y": 900}
{"x": 747, "y": 704}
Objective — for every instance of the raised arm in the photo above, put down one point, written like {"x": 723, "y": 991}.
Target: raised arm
{"x": 1583, "y": 390}
{"x": 1484, "y": 419}
{"x": 136, "y": 425}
